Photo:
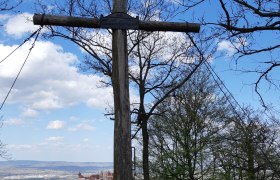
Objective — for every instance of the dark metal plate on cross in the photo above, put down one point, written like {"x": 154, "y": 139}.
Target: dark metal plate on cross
{"x": 119, "y": 21}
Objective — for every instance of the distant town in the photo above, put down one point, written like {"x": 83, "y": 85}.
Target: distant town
{"x": 103, "y": 175}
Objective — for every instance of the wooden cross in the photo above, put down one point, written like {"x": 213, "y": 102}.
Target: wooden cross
{"x": 119, "y": 21}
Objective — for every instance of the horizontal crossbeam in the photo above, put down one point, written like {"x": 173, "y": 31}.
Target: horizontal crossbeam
{"x": 114, "y": 23}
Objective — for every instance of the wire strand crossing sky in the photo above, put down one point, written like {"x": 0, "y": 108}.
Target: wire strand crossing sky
{"x": 32, "y": 46}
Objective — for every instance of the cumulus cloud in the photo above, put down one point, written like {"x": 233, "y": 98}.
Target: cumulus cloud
{"x": 167, "y": 44}
{"x": 19, "y": 25}
{"x": 28, "y": 112}
{"x": 227, "y": 47}
{"x": 231, "y": 47}
{"x": 49, "y": 79}
{"x": 83, "y": 126}
{"x": 57, "y": 124}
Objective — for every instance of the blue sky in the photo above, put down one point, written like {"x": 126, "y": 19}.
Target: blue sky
{"x": 56, "y": 113}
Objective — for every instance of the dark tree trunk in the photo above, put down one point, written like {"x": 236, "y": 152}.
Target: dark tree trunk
{"x": 250, "y": 154}
{"x": 145, "y": 154}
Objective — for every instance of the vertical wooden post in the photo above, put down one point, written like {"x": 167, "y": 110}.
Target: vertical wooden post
{"x": 122, "y": 131}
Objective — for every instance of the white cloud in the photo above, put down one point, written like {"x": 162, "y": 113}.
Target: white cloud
{"x": 20, "y": 24}
{"x": 167, "y": 44}
{"x": 83, "y": 126}
{"x": 47, "y": 104}
{"x": 49, "y": 80}
{"x": 28, "y": 112}
{"x": 57, "y": 124}
{"x": 55, "y": 138}
{"x": 14, "y": 122}
{"x": 180, "y": 2}
{"x": 227, "y": 47}
{"x": 231, "y": 47}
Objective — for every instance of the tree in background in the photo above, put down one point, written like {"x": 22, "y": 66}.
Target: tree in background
{"x": 199, "y": 136}
{"x": 164, "y": 63}
{"x": 182, "y": 135}
{"x": 246, "y": 22}
{"x": 249, "y": 149}
{"x": 250, "y": 29}
{"x": 3, "y": 149}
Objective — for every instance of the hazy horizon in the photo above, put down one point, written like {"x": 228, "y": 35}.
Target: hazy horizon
{"x": 29, "y": 169}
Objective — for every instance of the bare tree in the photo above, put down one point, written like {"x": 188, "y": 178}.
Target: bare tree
{"x": 3, "y": 149}
{"x": 6, "y": 5}
{"x": 197, "y": 137}
{"x": 249, "y": 149}
{"x": 248, "y": 21}
{"x": 189, "y": 121}
{"x": 251, "y": 28}
{"x": 161, "y": 65}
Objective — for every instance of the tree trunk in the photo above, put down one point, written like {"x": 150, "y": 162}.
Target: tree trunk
{"x": 250, "y": 156}
{"x": 145, "y": 153}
